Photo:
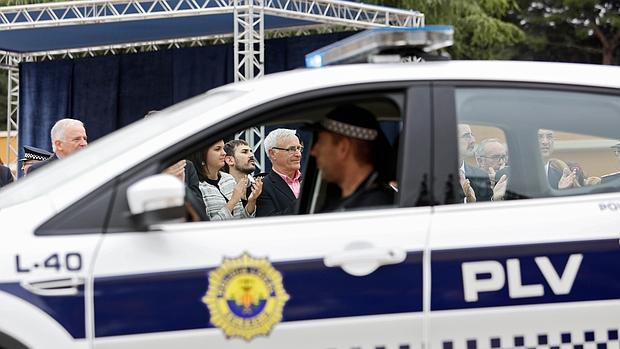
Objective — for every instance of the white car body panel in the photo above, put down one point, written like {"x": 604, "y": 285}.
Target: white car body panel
{"x": 117, "y": 258}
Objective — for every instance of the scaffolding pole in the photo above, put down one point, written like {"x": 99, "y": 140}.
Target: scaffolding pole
{"x": 12, "y": 106}
{"x": 249, "y": 60}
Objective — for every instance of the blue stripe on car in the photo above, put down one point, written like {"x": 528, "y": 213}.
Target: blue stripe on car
{"x": 597, "y": 277}
{"x": 172, "y": 301}
{"x": 68, "y": 311}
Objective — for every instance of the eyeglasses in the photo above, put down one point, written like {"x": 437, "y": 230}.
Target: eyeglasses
{"x": 542, "y": 136}
{"x": 495, "y": 157}
{"x": 467, "y": 135}
{"x": 292, "y": 149}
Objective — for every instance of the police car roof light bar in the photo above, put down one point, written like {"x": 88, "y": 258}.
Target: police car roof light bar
{"x": 359, "y": 48}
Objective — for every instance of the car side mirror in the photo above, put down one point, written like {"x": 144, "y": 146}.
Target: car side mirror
{"x": 156, "y": 199}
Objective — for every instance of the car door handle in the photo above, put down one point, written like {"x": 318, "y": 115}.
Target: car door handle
{"x": 56, "y": 287}
{"x": 362, "y": 260}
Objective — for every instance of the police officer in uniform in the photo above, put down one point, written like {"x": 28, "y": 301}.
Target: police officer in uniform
{"x": 348, "y": 152}
{"x": 32, "y": 155}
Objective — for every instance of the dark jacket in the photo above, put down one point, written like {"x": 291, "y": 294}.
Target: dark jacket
{"x": 479, "y": 181}
{"x": 370, "y": 193}
{"x": 277, "y": 197}
{"x": 6, "y": 176}
{"x": 554, "y": 175}
{"x": 192, "y": 191}
{"x": 40, "y": 164}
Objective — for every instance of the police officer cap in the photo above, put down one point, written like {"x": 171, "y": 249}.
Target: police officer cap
{"x": 351, "y": 121}
{"x": 34, "y": 153}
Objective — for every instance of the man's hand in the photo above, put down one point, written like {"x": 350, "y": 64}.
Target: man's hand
{"x": 470, "y": 194}
{"x": 177, "y": 170}
{"x": 236, "y": 195}
{"x": 239, "y": 190}
{"x": 568, "y": 179}
{"x": 257, "y": 189}
{"x": 499, "y": 190}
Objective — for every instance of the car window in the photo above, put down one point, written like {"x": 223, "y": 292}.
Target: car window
{"x": 545, "y": 143}
{"x": 299, "y": 165}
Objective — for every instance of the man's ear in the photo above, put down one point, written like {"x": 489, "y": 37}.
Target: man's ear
{"x": 229, "y": 160}
{"x": 343, "y": 148}
{"x": 58, "y": 144}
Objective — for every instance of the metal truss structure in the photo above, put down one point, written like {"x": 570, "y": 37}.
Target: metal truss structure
{"x": 106, "y": 11}
{"x": 248, "y": 34}
{"x": 12, "y": 107}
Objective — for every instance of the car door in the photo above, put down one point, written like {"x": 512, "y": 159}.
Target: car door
{"x": 45, "y": 284}
{"x": 539, "y": 268}
{"x": 329, "y": 280}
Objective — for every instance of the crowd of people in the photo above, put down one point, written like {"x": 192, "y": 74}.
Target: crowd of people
{"x": 489, "y": 178}
{"x": 345, "y": 150}
{"x": 220, "y": 181}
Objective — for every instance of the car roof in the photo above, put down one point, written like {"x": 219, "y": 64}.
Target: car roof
{"x": 513, "y": 71}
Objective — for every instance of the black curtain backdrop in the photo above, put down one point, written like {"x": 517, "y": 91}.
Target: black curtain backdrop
{"x": 109, "y": 92}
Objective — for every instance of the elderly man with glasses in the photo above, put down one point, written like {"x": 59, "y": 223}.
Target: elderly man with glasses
{"x": 491, "y": 158}
{"x": 282, "y": 185}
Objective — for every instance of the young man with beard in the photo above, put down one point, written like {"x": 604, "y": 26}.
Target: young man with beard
{"x": 240, "y": 163}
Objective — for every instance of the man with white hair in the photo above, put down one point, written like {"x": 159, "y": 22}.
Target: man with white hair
{"x": 68, "y": 136}
{"x": 282, "y": 185}
{"x": 491, "y": 157}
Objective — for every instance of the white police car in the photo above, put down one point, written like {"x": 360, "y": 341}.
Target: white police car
{"x": 80, "y": 269}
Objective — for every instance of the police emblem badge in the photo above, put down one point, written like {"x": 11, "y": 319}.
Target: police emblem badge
{"x": 245, "y": 297}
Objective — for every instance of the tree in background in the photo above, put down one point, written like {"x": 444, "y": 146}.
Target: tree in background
{"x": 479, "y": 29}
{"x": 570, "y": 30}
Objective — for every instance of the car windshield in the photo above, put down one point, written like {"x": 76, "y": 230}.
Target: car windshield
{"x": 107, "y": 148}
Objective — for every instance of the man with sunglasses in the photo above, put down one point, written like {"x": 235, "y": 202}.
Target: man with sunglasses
{"x": 282, "y": 185}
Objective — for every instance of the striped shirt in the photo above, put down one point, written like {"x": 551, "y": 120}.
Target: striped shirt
{"x": 215, "y": 201}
